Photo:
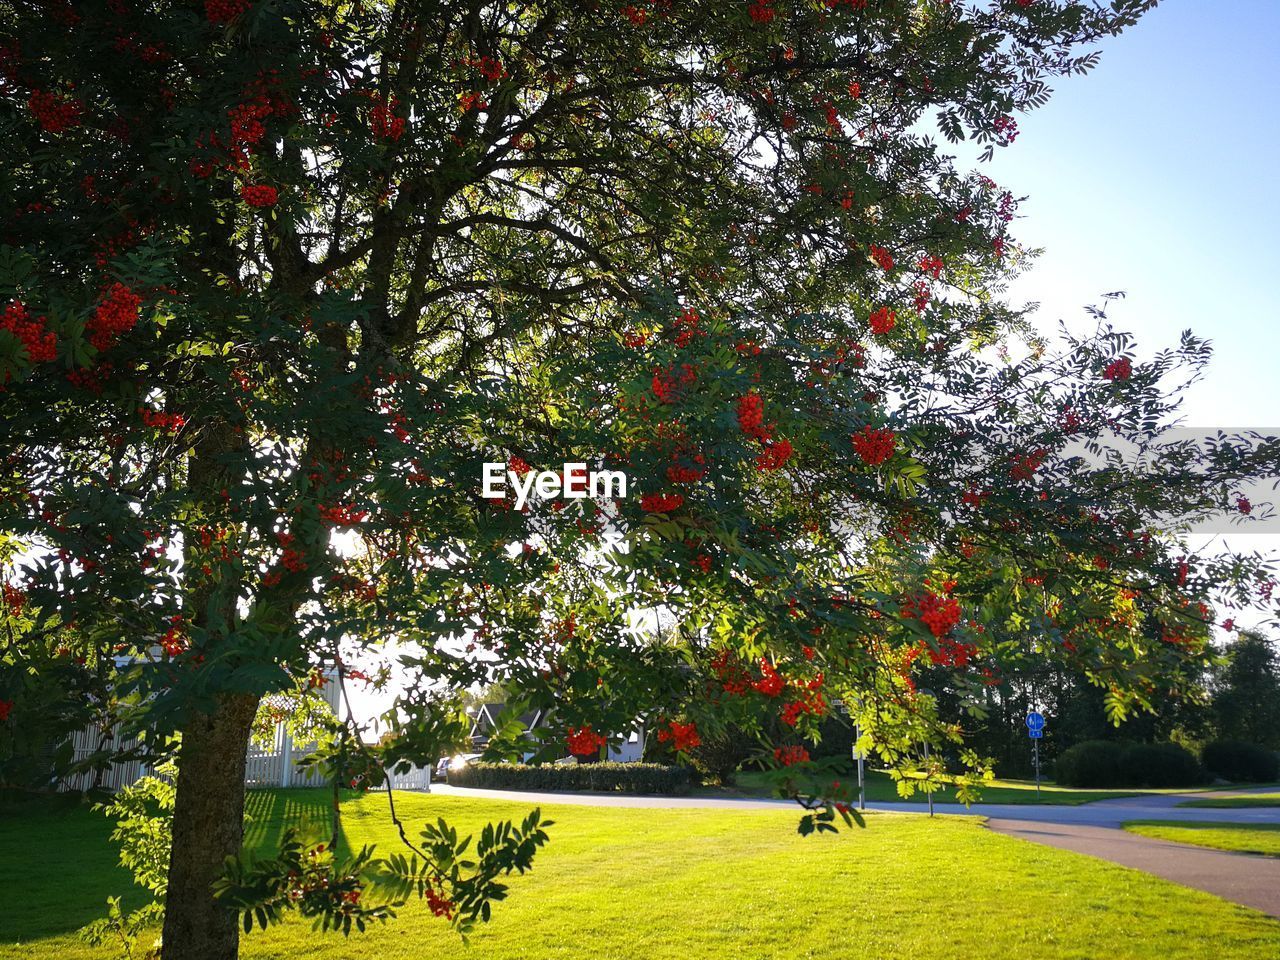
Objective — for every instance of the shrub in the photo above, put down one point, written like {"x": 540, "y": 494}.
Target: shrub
{"x": 719, "y": 755}
{"x": 1159, "y": 765}
{"x": 1238, "y": 760}
{"x": 1090, "y": 763}
{"x": 605, "y": 777}
{"x": 1116, "y": 763}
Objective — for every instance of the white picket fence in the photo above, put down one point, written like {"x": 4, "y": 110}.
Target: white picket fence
{"x": 273, "y": 766}
{"x": 84, "y": 744}
{"x": 418, "y": 778}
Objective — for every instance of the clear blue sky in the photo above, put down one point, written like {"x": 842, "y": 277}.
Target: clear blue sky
{"x": 1156, "y": 174}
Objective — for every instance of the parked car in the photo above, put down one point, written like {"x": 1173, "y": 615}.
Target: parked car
{"x": 445, "y": 764}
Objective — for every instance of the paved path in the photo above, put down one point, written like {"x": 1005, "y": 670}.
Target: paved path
{"x": 615, "y": 799}
{"x": 1252, "y": 881}
{"x": 1090, "y": 828}
{"x": 1100, "y": 813}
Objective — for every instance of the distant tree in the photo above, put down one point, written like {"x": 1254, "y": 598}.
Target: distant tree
{"x": 489, "y": 693}
{"x": 1246, "y": 691}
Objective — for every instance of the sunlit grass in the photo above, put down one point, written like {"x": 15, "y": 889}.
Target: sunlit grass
{"x": 1260, "y": 838}
{"x": 881, "y": 788}
{"x": 654, "y": 883}
{"x": 1226, "y": 803}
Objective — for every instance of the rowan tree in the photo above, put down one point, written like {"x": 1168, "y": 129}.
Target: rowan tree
{"x": 279, "y": 276}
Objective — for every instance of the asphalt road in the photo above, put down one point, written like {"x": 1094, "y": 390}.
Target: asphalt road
{"x": 1240, "y": 877}
{"x": 1092, "y": 829}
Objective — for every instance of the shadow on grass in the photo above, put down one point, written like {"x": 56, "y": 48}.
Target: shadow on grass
{"x": 62, "y": 864}
{"x": 58, "y": 855}
{"x": 268, "y": 813}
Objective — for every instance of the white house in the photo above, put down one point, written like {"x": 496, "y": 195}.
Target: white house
{"x": 626, "y": 748}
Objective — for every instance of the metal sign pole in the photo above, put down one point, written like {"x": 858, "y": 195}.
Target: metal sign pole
{"x": 1035, "y": 730}
{"x": 929, "y": 787}
{"x": 857, "y": 755}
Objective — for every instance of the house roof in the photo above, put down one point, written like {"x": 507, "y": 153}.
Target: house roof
{"x": 487, "y": 716}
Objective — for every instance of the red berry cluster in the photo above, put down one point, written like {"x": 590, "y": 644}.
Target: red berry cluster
{"x": 92, "y": 379}
{"x": 789, "y": 756}
{"x": 667, "y": 385}
{"x": 115, "y": 316}
{"x": 385, "y": 123}
{"x": 751, "y": 416}
{"x": 683, "y": 736}
{"x": 931, "y": 265}
{"x": 15, "y": 598}
{"x": 583, "y": 741}
{"x": 882, "y": 321}
{"x": 875, "y": 446}
{"x": 731, "y": 673}
{"x": 174, "y": 640}
{"x": 770, "y": 683}
{"x": 159, "y": 420}
{"x": 751, "y": 421}
{"x": 761, "y": 12}
{"x": 1121, "y": 369}
{"x": 923, "y": 295}
{"x": 661, "y": 502}
{"x": 775, "y": 454}
{"x": 687, "y": 327}
{"x": 1025, "y": 466}
{"x": 342, "y": 515}
{"x": 687, "y": 470}
{"x": 6, "y": 707}
{"x": 810, "y": 701}
{"x": 490, "y": 68}
{"x": 40, "y": 344}
{"x": 438, "y": 904}
{"x": 937, "y": 611}
{"x": 259, "y": 195}
{"x": 55, "y": 113}
{"x": 292, "y": 560}
{"x": 247, "y": 128}
{"x": 882, "y": 257}
{"x": 1006, "y": 130}
{"x": 953, "y": 653}
{"x": 224, "y": 11}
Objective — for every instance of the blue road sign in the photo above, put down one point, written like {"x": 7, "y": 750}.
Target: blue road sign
{"x": 1035, "y": 734}
{"x": 1035, "y": 721}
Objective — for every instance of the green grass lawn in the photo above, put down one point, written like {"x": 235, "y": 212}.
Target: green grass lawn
{"x": 881, "y": 789}
{"x": 637, "y": 884}
{"x": 1263, "y": 838}
{"x": 1253, "y": 800}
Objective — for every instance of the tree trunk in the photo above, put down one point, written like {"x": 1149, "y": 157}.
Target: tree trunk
{"x": 208, "y": 827}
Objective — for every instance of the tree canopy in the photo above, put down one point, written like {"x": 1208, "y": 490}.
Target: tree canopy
{"x": 279, "y": 277}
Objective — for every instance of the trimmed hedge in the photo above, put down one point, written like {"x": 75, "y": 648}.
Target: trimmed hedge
{"x": 1115, "y": 763}
{"x": 603, "y": 777}
{"x": 1238, "y": 760}
{"x": 1161, "y": 765}
{"x": 1091, "y": 763}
